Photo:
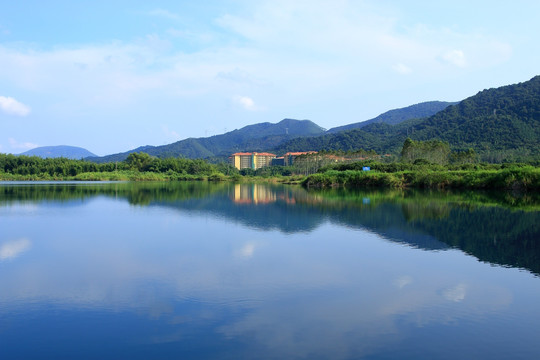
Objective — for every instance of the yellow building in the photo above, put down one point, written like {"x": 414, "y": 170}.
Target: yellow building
{"x": 249, "y": 160}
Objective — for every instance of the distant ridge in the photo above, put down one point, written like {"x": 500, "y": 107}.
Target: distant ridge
{"x": 257, "y": 137}
{"x": 69, "y": 152}
{"x": 396, "y": 116}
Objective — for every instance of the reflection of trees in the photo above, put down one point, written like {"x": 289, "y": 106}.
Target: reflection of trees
{"x": 500, "y": 228}
{"x": 429, "y": 210}
{"x": 137, "y": 193}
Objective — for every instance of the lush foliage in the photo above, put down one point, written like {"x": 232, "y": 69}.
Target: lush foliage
{"x": 433, "y": 151}
{"x": 138, "y": 166}
{"x": 515, "y": 177}
{"x": 499, "y": 125}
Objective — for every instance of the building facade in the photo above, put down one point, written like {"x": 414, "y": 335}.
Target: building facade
{"x": 248, "y": 160}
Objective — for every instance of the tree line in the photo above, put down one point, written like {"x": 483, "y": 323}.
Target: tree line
{"x": 138, "y": 162}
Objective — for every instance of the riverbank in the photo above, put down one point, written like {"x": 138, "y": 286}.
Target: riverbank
{"x": 513, "y": 178}
{"x": 127, "y": 175}
{"x": 519, "y": 177}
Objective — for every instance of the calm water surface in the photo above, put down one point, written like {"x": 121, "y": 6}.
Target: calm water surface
{"x": 196, "y": 270}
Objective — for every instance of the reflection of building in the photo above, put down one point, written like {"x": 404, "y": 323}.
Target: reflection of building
{"x": 288, "y": 158}
{"x": 251, "y": 160}
{"x": 253, "y": 194}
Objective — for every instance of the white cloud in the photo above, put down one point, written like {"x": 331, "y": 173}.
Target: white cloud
{"x": 13, "y": 107}
{"x": 455, "y": 57}
{"x": 402, "y": 69}
{"x": 300, "y": 59}
{"x": 14, "y": 144}
{"x": 246, "y": 102}
{"x": 12, "y": 249}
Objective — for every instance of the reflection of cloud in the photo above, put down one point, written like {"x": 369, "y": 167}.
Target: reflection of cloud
{"x": 456, "y": 294}
{"x": 12, "y": 249}
{"x": 403, "y": 281}
{"x": 247, "y": 250}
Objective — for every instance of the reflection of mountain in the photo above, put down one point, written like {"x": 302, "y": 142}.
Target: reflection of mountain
{"x": 427, "y": 221}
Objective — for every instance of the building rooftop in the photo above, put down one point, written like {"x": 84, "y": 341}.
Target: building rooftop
{"x": 253, "y": 153}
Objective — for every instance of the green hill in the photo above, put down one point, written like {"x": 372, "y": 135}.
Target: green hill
{"x": 257, "y": 137}
{"x": 501, "y": 124}
{"x": 396, "y": 116}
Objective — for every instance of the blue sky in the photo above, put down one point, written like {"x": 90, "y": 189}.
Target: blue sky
{"x": 110, "y": 76}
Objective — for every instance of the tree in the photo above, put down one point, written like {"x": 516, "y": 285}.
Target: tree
{"x": 139, "y": 161}
{"x": 433, "y": 151}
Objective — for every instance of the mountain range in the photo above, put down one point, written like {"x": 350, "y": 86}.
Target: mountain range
{"x": 257, "y": 137}
{"x": 500, "y": 124}
{"x": 268, "y": 137}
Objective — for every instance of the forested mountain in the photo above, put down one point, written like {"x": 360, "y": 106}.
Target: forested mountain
{"x": 69, "y": 152}
{"x": 258, "y": 137}
{"x": 396, "y": 116}
{"x": 501, "y": 124}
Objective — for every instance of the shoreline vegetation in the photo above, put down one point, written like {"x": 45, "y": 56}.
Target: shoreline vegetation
{"x": 419, "y": 173}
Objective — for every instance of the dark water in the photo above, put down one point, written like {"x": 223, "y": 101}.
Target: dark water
{"x": 197, "y": 270}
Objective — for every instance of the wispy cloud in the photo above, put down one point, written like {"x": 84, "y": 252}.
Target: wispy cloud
{"x": 165, "y": 14}
{"x": 455, "y": 57}
{"x": 13, "y": 107}
{"x": 14, "y": 144}
{"x": 170, "y": 134}
{"x": 402, "y": 69}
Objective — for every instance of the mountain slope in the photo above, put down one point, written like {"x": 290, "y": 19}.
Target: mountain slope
{"x": 504, "y": 120}
{"x": 396, "y": 116}
{"x": 257, "y": 137}
{"x": 501, "y": 124}
{"x": 70, "y": 152}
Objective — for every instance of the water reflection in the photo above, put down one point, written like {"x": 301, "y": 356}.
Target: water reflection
{"x": 495, "y": 227}
{"x": 199, "y": 270}
{"x": 12, "y": 249}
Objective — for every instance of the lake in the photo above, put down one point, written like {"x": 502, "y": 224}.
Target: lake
{"x": 239, "y": 271}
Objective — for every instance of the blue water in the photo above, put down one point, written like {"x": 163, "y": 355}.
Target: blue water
{"x": 165, "y": 271}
